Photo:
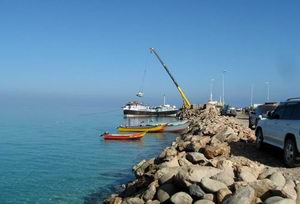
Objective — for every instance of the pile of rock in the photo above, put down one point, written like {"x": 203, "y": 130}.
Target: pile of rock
{"x": 198, "y": 168}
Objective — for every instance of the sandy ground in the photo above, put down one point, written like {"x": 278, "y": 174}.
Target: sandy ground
{"x": 269, "y": 156}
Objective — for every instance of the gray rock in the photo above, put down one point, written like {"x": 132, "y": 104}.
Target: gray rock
{"x": 209, "y": 196}
{"x": 184, "y": 162}
{"x": 226, "y": 133}
{"x": 286, "y": 201}
{"x": 195, "y": 157}
{"x": 224, "y": 177}
{"x": 171, "y": 163}
{"x": 263, "y": 188}
{"x": 266, "y": 173}
{"x": 273, "y": 199}
{"x": 196, "y": 191}
{"x": 150, "y": 192}
{"x": 194, "y": 174}
{"x": 181, "y": 198}
{"x": 165, "y": 192}
{"x": 211, "y": 186}
{"x": 246, "y": 176}
{"x": 204, "y": 201}
{"x": 298, "y": 193}
{"x": 244, "y": 195}
{"x": 278, "y": 179}
{"x": 165, "y": 174}
{"x": 287, "y": 191}
{"x": 133, "y": 201}
{"x": 152, "y": 202}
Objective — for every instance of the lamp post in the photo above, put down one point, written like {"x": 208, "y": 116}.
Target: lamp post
{"x": 268, "y": 90}
{"x": 211, "y": 89}
{"x": 251, "y": 97}
{"x": 223, "y": 86}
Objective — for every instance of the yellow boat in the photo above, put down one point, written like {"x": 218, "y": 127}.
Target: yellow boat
{"x": 152, "y": 128}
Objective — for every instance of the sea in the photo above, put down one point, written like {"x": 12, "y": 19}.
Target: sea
{"x": 55, "y": 155}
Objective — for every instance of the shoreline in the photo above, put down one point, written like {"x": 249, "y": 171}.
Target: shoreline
{"x": 199, "y": 167}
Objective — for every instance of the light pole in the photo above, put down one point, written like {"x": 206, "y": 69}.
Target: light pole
{"x": 251, "y": 97}
{"x": 268, "y": 91}
{"x": 223, "y": 86}
{"x": 211, "y": 89}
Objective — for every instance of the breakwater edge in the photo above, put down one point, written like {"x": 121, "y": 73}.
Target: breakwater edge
{"x": 201, "y": 167}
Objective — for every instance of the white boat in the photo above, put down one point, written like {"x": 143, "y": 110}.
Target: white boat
{"x": 137, "y": 109}
{"x": 177, "y": 126}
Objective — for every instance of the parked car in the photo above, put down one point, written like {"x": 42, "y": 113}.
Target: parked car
{"x": 228, "y": 111}
{"x": 282, "y": 129}
{"x": 260, "y": 112}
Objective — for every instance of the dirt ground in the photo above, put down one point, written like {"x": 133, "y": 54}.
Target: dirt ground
{"x": 269, "y": 156}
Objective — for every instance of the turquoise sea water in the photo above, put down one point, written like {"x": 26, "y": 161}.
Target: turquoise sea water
{"x": 55, "y": 155}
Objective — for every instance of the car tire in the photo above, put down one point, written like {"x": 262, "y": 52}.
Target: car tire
{"x": 259, "y": 139}
{"x": 290, "y": 153}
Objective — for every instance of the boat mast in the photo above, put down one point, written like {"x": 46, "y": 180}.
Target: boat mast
{"x": 186, "y": 101}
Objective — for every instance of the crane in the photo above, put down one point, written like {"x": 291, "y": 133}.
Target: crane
{"x": 186, "y": 101}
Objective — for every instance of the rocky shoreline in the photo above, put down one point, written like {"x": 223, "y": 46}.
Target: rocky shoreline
{"x": 199, "y": 168}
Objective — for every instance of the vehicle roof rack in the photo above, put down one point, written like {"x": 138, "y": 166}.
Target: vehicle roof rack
{"x": 294, "y": 99}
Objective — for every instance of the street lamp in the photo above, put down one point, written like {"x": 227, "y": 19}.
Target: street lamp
{"x": 268, "y": 91}
{"x": 211, "y": 89}
{"x": 223, "y": 86}
{"x": 251, "y": 97}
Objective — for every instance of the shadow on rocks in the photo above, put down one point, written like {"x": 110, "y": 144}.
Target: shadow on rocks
{"x": 269, "y": 155}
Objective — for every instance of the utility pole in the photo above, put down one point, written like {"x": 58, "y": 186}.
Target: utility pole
{"x": 211, "y": 89}
{"x": 223, "y": 86}
{"x": 268, "y": 91}
{"x": 251, "y": 97}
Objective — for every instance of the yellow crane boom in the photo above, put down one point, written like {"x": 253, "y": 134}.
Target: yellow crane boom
{"x": 186, "y": 101}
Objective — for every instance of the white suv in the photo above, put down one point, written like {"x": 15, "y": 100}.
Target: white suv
{"x": 282, "y": 129}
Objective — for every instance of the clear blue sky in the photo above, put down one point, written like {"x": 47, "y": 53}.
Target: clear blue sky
{"x": 100, "y": 48}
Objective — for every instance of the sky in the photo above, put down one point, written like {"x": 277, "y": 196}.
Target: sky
{"x": 99, "y": 50}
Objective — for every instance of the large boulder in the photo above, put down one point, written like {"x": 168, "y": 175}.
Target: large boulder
{"x": 218, "y": 150}
{"x": 278, "y": 179}
{"x": 263, "y": 188}
{"x": 212, "y": 186}
{"x": 151, "y": 191}
{"x": 196, "y": 157}
{"x": 181, "y": 198}
{"x": 244, "y": 195}
{"x": 194, "y": 174}
{"x": 165, "y": 192}
{"x": 166, "y": 174}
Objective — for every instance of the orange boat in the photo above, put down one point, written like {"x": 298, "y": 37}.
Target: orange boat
{"x": 134, "y": 136}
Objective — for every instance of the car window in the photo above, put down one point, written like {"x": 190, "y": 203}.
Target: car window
{"x": 296, "y": 112}
{"x": 278, "y": 113}
{"x": 288, "y": 112}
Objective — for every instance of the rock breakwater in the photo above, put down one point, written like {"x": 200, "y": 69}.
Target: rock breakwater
{"x": 199, "y": 168}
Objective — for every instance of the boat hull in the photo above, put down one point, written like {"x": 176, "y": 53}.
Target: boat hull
{"x": 135, "y": 113}
{"x": 159, "y": 128}
{"x": 136, "y": 136}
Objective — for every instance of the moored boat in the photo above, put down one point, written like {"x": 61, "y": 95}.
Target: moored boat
{"x": 177, "y": 126}
{"x": 142, "y": 128}
{"x": 134, "y": 136}
{"x": 136, "y": 109}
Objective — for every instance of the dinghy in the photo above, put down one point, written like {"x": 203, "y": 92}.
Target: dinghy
{"x": 134, "y": 136}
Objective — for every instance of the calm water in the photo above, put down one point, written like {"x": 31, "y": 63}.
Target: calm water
{"x": 54, "y": 154}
